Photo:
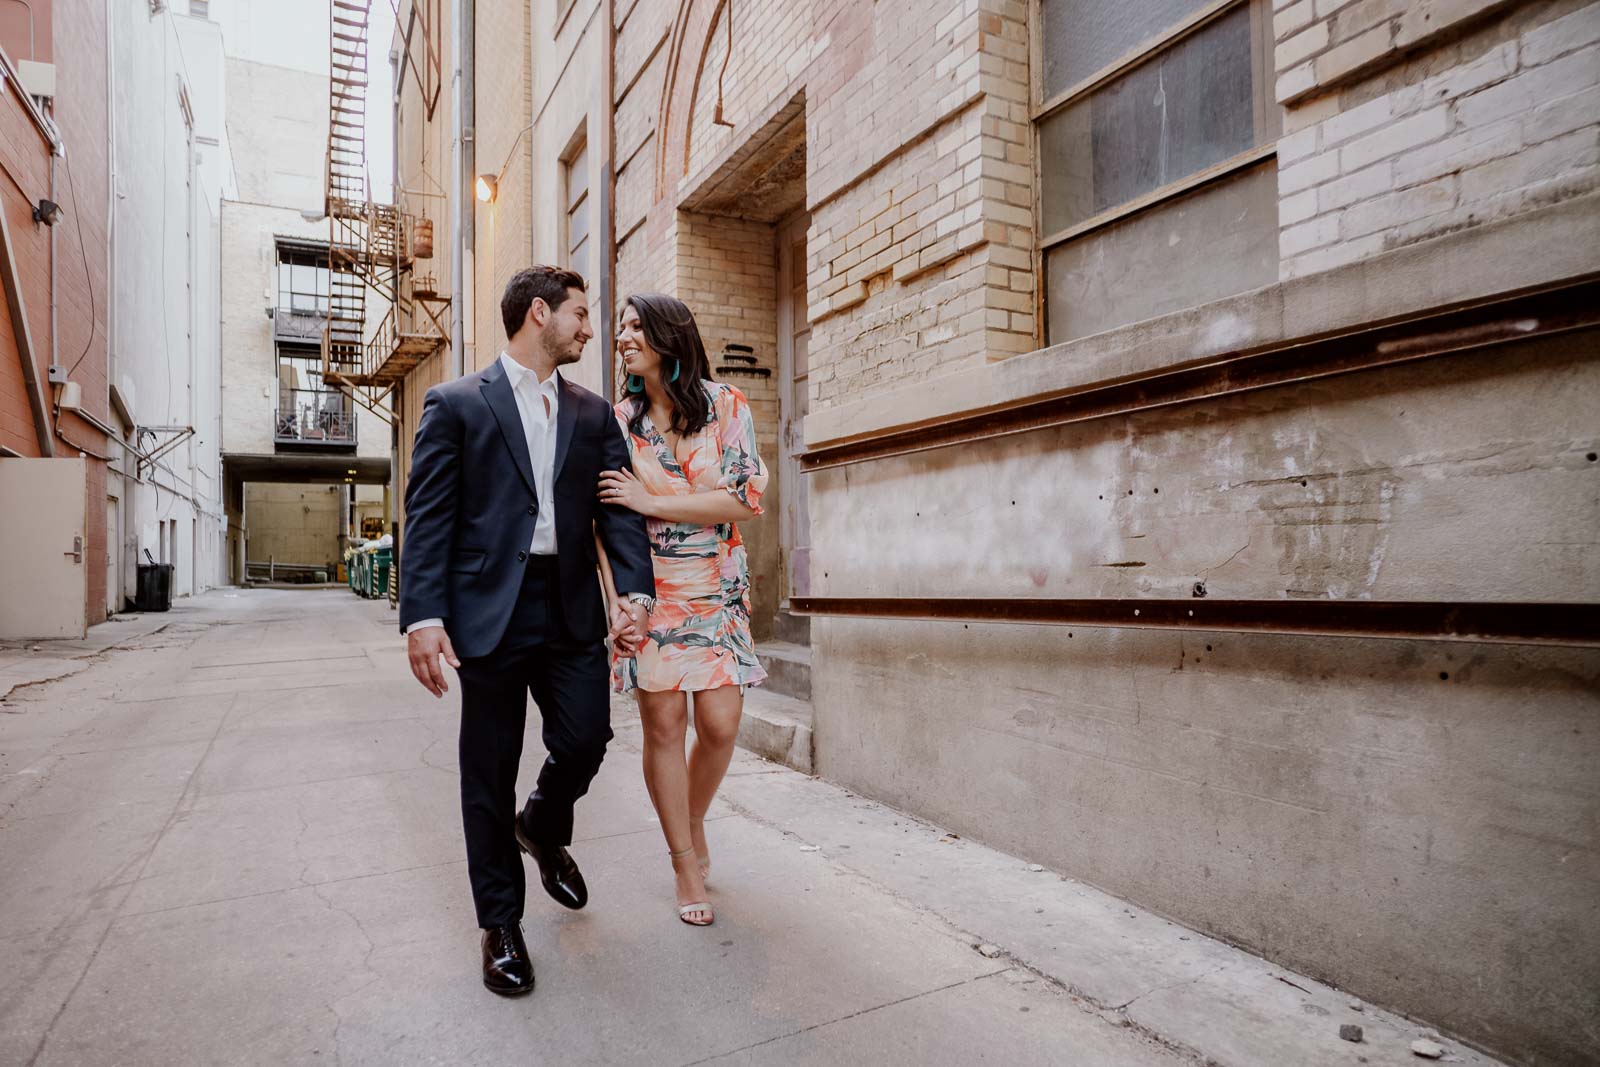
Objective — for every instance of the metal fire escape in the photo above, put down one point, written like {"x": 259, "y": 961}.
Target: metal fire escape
{"x": 372, "y": 247}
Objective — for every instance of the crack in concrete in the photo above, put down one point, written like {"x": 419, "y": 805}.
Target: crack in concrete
{"x": 182, "y": 806}
{"x": 366, "y": 965}
{"x": 846, "y": 1017}
{"x": 1169, "y": 985}
{"x": 1114, "y": 1016}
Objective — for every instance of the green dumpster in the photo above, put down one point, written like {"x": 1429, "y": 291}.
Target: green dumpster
{"x": 378, "y": 564}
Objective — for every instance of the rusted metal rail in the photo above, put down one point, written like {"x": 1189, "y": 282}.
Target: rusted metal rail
{"x": 1521, "y": 623}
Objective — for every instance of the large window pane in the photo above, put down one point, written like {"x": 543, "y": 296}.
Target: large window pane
{"x": 1183, "y": 110}
{"x": 1083, "y": 36}
{"x": 1220, "y": 240}
{"x": 578, "y": 177}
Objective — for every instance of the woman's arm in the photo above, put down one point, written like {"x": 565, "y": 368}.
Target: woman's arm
{"x": 705, "y": 508}
{"x": 619, "y": 621}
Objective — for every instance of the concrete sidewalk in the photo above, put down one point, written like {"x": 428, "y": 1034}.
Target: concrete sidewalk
{"x": 233, "y": 837}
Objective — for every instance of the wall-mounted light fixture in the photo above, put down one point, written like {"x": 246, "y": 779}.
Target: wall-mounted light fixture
{"x": 47, "y": 212}
{"x": 489, "y": 184}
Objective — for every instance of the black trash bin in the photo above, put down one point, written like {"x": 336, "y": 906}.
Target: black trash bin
{"x": 155, "y": 587}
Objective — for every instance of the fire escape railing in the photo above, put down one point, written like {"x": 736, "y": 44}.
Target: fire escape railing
{"x": 371, "y": 246}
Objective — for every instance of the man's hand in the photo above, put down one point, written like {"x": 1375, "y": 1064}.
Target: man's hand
{"x": 423, "y": 648}
{"x": 629, "y": 625}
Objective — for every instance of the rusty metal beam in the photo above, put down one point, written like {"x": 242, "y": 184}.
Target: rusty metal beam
{"x": 1438, "y": 333}
{"x": 1520, "y": 623}
{"x": 12, "y": 279}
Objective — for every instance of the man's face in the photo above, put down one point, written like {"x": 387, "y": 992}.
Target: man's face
{"x": 567, "y": 329}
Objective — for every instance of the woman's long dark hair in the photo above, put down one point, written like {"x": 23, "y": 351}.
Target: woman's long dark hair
{"x": 669, "y": 327}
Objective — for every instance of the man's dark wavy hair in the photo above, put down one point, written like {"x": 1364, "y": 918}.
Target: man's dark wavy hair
{"x": 549, "y": 284}
{"x": 669, "y": 326}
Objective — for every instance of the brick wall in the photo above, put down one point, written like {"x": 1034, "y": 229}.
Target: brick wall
{"x": 1495, "y": 119}
{"x": 918, "y": 169}
{"x": 727, "y": 273}
{"x": 25, "y": 154}
{"x": 504, "y": 82}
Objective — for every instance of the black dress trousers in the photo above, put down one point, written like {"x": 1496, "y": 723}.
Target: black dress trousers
{"x": 569, "y": 681}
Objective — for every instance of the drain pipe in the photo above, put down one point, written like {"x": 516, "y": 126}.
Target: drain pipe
{"x": 462, "y": 183}
{"x": 608, "y": 188}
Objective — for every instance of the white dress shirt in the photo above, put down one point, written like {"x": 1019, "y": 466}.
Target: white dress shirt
{"x": 538, "y": 403}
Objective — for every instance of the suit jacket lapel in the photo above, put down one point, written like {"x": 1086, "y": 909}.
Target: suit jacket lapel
{"x": 497, "y": 393}
{"x": 566, "y": 421}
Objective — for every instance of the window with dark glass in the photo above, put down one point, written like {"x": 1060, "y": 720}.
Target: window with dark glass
{"x": 576, "y": 173}
{"x": 303, "y": 280}
{"x": 1156, "y": 125}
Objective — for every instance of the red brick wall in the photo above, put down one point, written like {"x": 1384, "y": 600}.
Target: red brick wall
{"x": 80, "y": 289}
{"x": 82, "y": 293}
{"x": 15, "y": 35}
{"x": 24, "y": 177}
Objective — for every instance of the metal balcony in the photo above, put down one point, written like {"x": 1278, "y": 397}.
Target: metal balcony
{"x": 315, "y": 418}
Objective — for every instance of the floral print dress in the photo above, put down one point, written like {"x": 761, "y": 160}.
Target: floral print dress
{"x": 700, "y": 630}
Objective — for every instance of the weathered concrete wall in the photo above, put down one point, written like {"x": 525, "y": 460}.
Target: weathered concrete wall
{"x": 1413, "y": 821}
{"x": 294, "y": 523}
{"x": 1463, "y": 478}
{"x": 1337, "y": 805}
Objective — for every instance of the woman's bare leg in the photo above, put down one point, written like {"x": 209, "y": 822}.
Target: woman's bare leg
{"x": 716, "y": 728}
{"x": 665, "y": 717}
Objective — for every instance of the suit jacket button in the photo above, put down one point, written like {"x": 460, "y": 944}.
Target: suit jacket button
{"x": 532, "y": 509}
{"x": 522, "y": 557}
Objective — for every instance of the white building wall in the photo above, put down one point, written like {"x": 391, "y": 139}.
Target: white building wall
{"x": 249, "y": 288}
{"x": 171, "y": 171}
{"x": 277, "y": 119}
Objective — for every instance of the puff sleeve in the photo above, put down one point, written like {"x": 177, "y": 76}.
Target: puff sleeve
{"x": 743, "y": 473}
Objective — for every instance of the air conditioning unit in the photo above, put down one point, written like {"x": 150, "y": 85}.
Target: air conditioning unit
{"x": 38, "y": 79}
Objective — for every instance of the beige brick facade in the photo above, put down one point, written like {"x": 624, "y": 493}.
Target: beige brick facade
{"x": 1500, "y": 116}
{"x": 917, "y": 174}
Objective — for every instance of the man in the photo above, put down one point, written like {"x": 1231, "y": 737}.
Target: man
{"x": 498, "y": 579}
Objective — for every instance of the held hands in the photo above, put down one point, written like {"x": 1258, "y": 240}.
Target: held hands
{"x": 423, "y": 648}
{"x": 623, "y": 489}
{"x": 629, "y": 625}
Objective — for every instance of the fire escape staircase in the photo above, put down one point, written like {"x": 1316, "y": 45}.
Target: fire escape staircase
{"x": 370, "y": 245}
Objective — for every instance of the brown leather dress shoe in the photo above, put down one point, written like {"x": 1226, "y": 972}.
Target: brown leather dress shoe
{"x": 557, "y": 871}
{"x": 507, "y": 968}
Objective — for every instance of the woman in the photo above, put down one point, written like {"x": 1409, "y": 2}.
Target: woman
{"x": 695, "y": 474}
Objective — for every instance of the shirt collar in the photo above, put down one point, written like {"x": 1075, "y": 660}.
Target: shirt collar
{"x": 517, "y": 375}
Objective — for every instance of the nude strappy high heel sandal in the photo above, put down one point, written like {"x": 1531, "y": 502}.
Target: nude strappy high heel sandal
{"x": 686, "y": 910}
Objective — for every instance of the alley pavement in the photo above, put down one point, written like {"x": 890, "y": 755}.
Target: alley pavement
{"x": 230, "y": 834}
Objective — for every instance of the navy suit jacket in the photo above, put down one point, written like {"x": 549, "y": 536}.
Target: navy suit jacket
{"x": 471, "y": 508}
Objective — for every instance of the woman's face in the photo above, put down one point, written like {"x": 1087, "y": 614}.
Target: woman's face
{"x": 637, "y": 355}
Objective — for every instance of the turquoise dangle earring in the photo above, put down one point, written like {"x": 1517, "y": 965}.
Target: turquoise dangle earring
{"x": 635, "y": 384}
{"x": 677, "y": 369}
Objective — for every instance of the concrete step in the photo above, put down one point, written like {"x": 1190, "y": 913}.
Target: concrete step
{"x": 788, "y": 668}
{"x": 777, "y": 728}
